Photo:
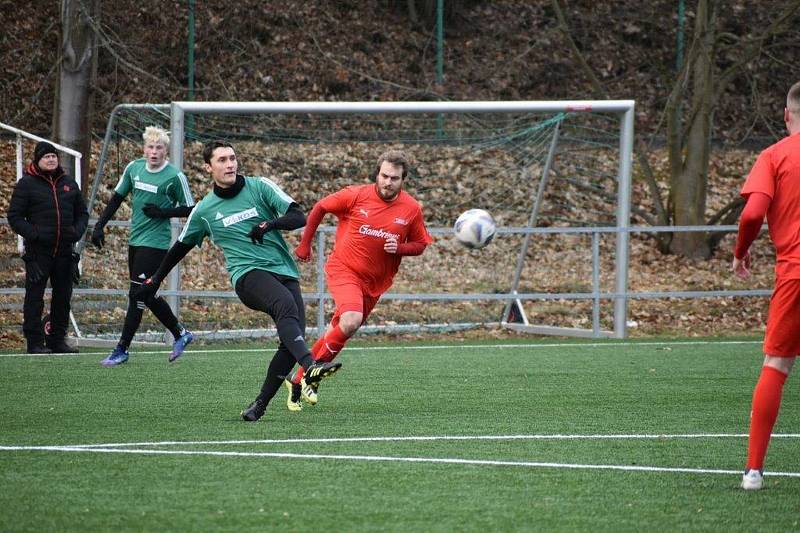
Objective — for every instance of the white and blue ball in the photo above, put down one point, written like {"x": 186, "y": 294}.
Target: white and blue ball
{"x": 475, "y": 228}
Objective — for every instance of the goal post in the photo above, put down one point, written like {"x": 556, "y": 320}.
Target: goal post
{"x": 623, "y": 109}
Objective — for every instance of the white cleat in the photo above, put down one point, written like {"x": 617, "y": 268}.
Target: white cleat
{"x": 752, "y": 480}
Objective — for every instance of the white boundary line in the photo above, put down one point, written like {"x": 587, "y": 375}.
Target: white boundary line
{"x": 383, "y": 458}
{"x": 438, "y": 347}
{"x": 432, "y": 438}
{"x": 123, "y": 448}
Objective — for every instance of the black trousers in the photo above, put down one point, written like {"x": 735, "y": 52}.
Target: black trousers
{"x": 59, "y": 271}
{"x": 143, "y": 262}
{"x": 279, "y": 297}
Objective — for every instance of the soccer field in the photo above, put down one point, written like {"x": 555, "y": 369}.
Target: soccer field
{"x": 512, "y": 436}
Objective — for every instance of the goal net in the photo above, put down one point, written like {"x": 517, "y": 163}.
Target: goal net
{"x": 537, "y": 167}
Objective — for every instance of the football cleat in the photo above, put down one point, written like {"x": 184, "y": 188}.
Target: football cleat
{"x": 117, "y": 357}
{"x": 318, "y": 371}
{"x": 180, "y": 345}
{"x": 293, "y": 400}
{"x": 752, "y": 480}
{"x": 254, "y": 411}
{"x": 309, "y": 392}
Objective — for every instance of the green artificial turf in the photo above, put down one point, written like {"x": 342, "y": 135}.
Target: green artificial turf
{"x": 538, "y": 388}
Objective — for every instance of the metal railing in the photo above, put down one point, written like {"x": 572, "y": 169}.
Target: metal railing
{"x": 595, "y": 295}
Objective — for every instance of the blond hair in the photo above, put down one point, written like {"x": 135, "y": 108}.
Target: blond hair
{"x": 156, "y": 135}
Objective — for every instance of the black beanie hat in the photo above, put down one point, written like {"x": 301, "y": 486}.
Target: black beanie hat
{"x": 42, "y": 149}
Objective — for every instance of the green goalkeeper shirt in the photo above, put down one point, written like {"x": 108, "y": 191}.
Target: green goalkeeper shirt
{"x": 164, "y": 187}
{"x": 227, "y": 222}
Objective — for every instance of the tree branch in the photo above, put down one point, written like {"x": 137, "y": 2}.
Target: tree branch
{"x": 726, "y": 216}
{"x": 600, "y": 92}
{"x": 780, "y": 24}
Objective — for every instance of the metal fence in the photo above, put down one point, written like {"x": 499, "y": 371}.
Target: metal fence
{"x": 595, "y": 295}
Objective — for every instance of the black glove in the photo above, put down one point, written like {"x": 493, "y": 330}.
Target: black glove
{"x": 32, "y": 269}
{"x": 148, "y": 290}
{"x": 257, "y": 233}
{"x": 98, "y": 238}
{"x": 76, "y": 270}
{"x": 153, "y": 211}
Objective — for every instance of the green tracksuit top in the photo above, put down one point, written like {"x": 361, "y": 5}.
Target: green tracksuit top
{"x": 165, "y": 187}
{"x": 227, "y": 222}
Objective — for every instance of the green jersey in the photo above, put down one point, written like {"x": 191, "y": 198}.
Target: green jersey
{"x": 227, "y": 222}
{"x": 165, "y": 187}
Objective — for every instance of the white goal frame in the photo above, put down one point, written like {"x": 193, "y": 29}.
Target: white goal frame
{"x": 624, "y": 109}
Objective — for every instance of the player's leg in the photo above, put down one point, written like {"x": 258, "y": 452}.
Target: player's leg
{"x": 349, "y": 300}
{"x": 781, "y": 344}
{"x": 342, "y": 327}
{"x": 276, "y": 296}
{"x": 61, "y": 282}
{"x": 279, "y": 366}
{"x": 293, "y": 402}
{"x": 33, "y": 305}
{"x": 148, "y": 261}
{"x": 133, "y": 316}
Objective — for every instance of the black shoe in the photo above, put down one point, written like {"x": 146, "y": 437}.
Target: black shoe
{"x": 254, "y": 411}
{"x": 61, "y": 347}
{"x": 38, "y": 349}
{"x": 316, "y": 372}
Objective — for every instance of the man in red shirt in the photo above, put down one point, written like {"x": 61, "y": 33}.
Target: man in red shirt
{"x": 773, "y": 189}
{"x": 378, "y": 224}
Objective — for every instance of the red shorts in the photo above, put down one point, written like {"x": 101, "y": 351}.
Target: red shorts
{"x": 349, "y": 295}
{"x": 783, "y": 322}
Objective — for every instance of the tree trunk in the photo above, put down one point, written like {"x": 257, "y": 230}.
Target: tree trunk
{"x": 690, "y": 151}
{"x": 77, "y": 49}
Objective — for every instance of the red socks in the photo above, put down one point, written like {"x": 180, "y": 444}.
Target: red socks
{"x": 326, "y": 348}
{"x": 766, "y": 403}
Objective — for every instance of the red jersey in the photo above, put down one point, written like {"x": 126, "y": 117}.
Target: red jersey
{"x": 366, "y": 221}
{"x": 776, "y": 173}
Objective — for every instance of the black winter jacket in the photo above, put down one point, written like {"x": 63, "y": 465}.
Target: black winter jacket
{"x": 48, "y": 211}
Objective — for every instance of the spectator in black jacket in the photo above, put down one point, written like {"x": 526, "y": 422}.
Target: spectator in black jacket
{"x": 48, "y": 211}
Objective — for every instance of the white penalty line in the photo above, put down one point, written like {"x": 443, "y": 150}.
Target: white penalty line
{"x": 429, "y": 438}
{"x": 383, "y": 458}
{"x": 435, "y": 347}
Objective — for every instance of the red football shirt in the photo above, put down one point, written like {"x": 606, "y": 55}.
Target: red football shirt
{"x": 776, "y": 173}
{"x": 366, "y": 221}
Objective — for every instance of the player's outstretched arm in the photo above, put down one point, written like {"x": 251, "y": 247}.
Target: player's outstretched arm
{"x": 153, "y": 211}
{"x": 303, "y": 250}
{"x": 98, "y": 237}
{"x": 174, "y": 255}
{"x": 294, "y": 218}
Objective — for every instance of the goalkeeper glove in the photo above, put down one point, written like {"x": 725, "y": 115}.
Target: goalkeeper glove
{"x": 98, "y": 238}
{"x": 257, "y": 232}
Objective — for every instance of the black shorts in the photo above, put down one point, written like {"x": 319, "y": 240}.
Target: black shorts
{"x": 143, "y": 262}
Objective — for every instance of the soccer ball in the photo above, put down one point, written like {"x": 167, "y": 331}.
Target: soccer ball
{"x": 474, "y": 228}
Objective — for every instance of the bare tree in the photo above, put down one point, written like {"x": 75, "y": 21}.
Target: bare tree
{"x": 71, "y": 117}
{"x": 689, "y": 115}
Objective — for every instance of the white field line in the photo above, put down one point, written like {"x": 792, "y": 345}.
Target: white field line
{"x": 434, "y": 460}
{"x": 421, "y": 438}
{"x": 128, "y": 448}
{"x": 431, "y": 347}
